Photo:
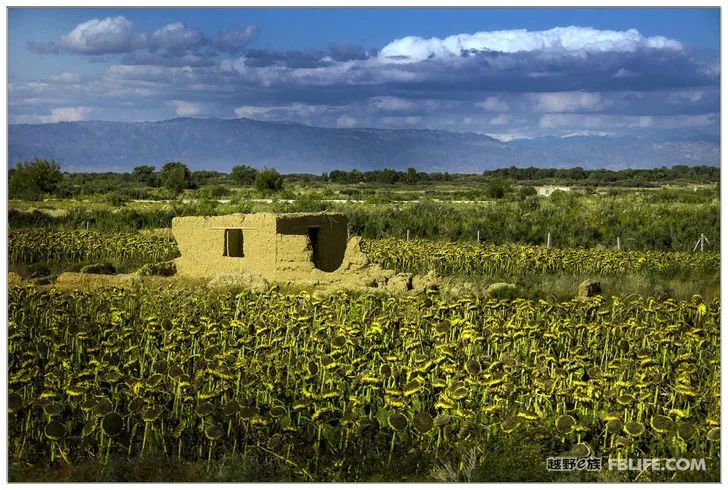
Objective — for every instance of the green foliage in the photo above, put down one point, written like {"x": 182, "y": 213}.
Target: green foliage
{"x": 205, "y": 207}
{"x": 216, "y": 192}
{"x": 638, "y": 177}
{"x": 526, "y": 191}
{"x": 116, "y": 198}
{"x": 573, "y": 221}
{"x": 243, "y": 175}
{"x": 176, "y": 177}
{"x": 386, "y": 176}
{"x": 497, "y": 187}
{"x": 308, "y": 203}
{"x": 207, "y": 177}
{"x": 268, "y": 181}
{"x": 31, "y": 180}
{"x": 145, "y": 174}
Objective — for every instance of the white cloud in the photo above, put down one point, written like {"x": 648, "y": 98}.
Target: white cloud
{"x": 185, "y": 108}
{"x": 400, "y": 120}
{"x": 687, "y": 121}
{"x": 66, "y": 77}
{"x": 149, "y": 72}
{"x": 234, "y": 39}
{"x": 556, "y": 102}
{"x": 59, "y": 114}
{"x": 586, "y": 132}
{"x": 345, "y": 122}
{"x": 296, "y": 109}
{"x": 388, "y": 103}
{"x": 500, "y": 119}
{"x": 115, "y": 35}
{"x": 622, "y": 73}
{"x": 611, "y": 122}
{"x": 97, "y": 36}
{"x": 175, "y": 36}
{"x": 506, "y": 137}
{"x": 557, "y": 40}
{"x": 551, "y": 121}
{"x": 685, "y": 96}
{"x": 494, "y": 104}
{"x": 251, "y": 111}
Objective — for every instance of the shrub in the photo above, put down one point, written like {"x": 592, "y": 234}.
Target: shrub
{"x": 176, "y": 177}
{"x": 268, "y": 181}
{"x": 145, "y": 174}
{"x": 30, "y": 180}
{"x": 116, "y": 198}
{"x": 497, "y": 187}
{"x": 243, "y": 174}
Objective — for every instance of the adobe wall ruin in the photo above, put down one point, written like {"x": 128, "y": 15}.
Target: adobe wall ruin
{"x": 201, "y": 243}
{"x": 296, "y": 243}
{"x": 276, "y": 250}
{"x": 293, "y": 231}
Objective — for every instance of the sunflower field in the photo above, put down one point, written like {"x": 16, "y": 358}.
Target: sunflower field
{"x": 337, "y": 388}
{"x": 446, "y": 258}
{"x": 32, "y": 245}
{"x": 449, "y": 258}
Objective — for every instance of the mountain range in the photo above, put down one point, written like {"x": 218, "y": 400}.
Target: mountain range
{"x": 218, "y": 144}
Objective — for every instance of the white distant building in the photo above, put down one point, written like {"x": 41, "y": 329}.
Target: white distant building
{"x": 547, "y": 190}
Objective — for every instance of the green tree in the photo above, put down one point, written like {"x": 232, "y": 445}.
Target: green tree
{"x": 30, "y": 180}
{"x": 269, "y": 180}
{"x": 146, "y": 174}
{"x": 497, "y": 187}
{"x": 205, "y": 177}
{"x": 411, "y": 177}
{"x": 243, "y": 174}
{"x": 176, "y": 177}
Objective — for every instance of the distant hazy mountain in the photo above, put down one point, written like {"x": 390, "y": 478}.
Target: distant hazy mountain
{"x": 218, "y": 144}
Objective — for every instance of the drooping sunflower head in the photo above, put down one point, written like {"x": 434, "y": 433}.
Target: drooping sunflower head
{"x": 662, "y": 424}
{"x": 112, "y": 424}
{"x": 54, "y": 430}
{"x": 423, "y": 422}
{"x": 397, "y": 422}
{"x": 565, "y": 424}
{"x": 634, "y": 429}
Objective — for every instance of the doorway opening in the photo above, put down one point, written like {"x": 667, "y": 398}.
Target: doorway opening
{"x": 313, "y": 238}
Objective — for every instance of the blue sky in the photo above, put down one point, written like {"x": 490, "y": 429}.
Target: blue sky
{"x": 506, "y": 72}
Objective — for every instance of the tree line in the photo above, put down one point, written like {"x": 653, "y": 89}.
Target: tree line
{"x": 33, "y": 180}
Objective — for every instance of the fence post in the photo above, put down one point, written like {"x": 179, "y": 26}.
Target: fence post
{"x": 407, "y": 235}
{"x": 548, "y": 240}
{"x": 478, "y": 236}
{"x": 701, "y": 241}
{"x": 619, "y": 245}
